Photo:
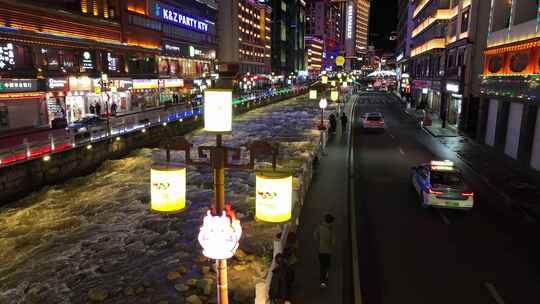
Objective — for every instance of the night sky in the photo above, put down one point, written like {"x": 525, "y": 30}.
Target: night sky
{"x": 383, "y": 21}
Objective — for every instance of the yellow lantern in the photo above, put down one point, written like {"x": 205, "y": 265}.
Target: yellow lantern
{"x": 273, "y": 196}
{"x": 217, "y": 110}
{"x": 334, "y": 95}
{"x": 168, "y": 188}
{"x": 344, "y": 84}
{"x": 313, "y": 94}
{"x": 333, "y": 83}
{"x": 324, "y": 79}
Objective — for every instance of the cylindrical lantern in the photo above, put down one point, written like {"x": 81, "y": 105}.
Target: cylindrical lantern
{"x": 324, "y": 79}
{"x": 334, "y": 95}
{"x": 313, "y": 94}
{"x": 344, "y": 84}
{"x": 168, "y": 188}
{"x": 333, "y": 83}
{"x": 218, "y": 110}
{"x": 273, "y": 196}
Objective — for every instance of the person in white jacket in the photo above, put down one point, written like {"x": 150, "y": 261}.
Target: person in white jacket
{"x": 324, "y": 235}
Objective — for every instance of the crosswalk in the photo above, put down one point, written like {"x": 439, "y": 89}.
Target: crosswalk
{"x": 370, "y": 98}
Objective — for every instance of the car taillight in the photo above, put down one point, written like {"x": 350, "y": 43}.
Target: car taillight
{"x": 468, "y": 194}
{"x": 431, "y": 191}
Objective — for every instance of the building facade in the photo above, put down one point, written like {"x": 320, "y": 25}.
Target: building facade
{"x": 314, "y": 48}
{"x": 403, "y": 46}
{"x": 55, "y": 53}
{"x": 508, "y": 119}
{"x": 323, "y": 22}
{"x": 288, "y": 33}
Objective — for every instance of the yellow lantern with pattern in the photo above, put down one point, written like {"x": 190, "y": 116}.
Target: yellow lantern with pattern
{"x": 273, "y": 196}
{"x": 168, "y": 188}
{"x": 334, "y": 95}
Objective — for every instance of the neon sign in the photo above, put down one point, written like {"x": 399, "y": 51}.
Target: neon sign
{"x": 177, "y": 17}
{"x": 349, "y": 21}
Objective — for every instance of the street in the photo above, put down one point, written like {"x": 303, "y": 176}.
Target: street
{"x": 413, "y": 255}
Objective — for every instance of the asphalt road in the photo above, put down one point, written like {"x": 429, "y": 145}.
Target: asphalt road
{"x": 413, "y": 255}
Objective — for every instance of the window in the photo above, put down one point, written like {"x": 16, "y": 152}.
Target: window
{"x": 453, "y": 179}
{"x": 465, "y": 21}
{"x": 283, "y": 6}
{"x": 283, "y": 31}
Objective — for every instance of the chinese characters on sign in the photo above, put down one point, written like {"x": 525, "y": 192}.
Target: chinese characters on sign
{"x": 7, "y": 56}
{"x": 88, "y": 63}
{"x": 177, "y": 17}
{"x": 18, "y": 85}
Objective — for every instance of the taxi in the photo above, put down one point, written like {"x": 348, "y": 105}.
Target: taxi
{"x": 440, "y": 184}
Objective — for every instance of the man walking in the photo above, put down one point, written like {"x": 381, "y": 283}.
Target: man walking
{"x": 324, "y": 235}
{"x": 343, "y": 122}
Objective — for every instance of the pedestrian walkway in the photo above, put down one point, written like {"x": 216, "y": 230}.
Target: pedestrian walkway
{"x": 517, "y": 184}
{"x": 328, "y": 194}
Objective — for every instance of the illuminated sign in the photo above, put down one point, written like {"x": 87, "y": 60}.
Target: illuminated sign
{"x": 7, "y": 56}
{"x": 219, "y": 236}
{"x": 174, "y": 83}
{"x": 113, "y": 63}
{"x": 273, "y": 197}
{"x": 178, "y": 17}
{"x": 87, "y": 62}
{"x": 145, "y": 83}
{"x": 217, "y": 110}
{"x": 452, "y": 87}
{"x": 168, "y": 188}
{"x": 194, "y": 52}
{"x": 18, "y": 85}
{"x": 349, "y": 21}
{"x": 59, "y": 84}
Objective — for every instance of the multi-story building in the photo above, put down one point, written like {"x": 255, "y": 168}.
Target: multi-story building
{"x": 314, "y": 48}
{"x": 356, "y": 30}
{"x": 54, "y": 54}
{"x": 509, "y": 119}
{"x": 323, "y": 22}
{"x": 288, "y": 31}
{"x": 245, "y": 39}
{"x": 430, "y": 20}
{"x": 465, "y": 42}
{"x": 362, "y": 25}
{"x": 403, "y": 46}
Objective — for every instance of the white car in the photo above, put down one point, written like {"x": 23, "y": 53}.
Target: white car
{"x": 440, "y": 184}
{"x": 374, "y": 121}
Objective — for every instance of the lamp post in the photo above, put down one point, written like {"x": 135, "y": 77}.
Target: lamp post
{"x": 322, "y": 105}
{"x": 105, "y": 84}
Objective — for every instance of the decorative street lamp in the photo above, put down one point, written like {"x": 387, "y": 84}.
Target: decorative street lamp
{"x": 312, "y": 94}
{"x": 334, "y": 95}
{"x": 273, "y": 196}
{"x": 324, "y": 79}
{"x": 322, "y": 105}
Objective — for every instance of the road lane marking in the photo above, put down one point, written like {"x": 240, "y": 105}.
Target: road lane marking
{"x": 496, "y": 296}
{"x": 401, "y": 151}
{"x": 443, "y": 216}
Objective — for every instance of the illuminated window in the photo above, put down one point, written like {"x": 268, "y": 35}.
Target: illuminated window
{"x": 283, "y": 6}
{"x": 283, "y": 31}
{"x": 465, "y": 21}
{"x": 84, "y": 6}
{"x": 95, "y": 7}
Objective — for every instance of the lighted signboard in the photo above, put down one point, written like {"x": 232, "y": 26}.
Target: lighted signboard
{"x": 219, "y": 236}
{"x": 7, "y": 56}
{"x": 178, "y": 17}
{"x": 452, "y": 87}
{"x": 174, "y": 83}
{"x": 87, "y": 61}
{"x": 145, "y": 83}
{"x": 273, "y": 197}
{"x": 57, "y": 84}
{"x": 168, "y": 188}
{"x": 217, "y": 110}
{"x": 349, "y": 21}
{"x": 18, "y": 85}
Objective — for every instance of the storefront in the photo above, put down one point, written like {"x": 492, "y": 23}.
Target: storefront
{"x": 79, "y": 98}
{"x": 55, "y": 99}
{"x": 184, "y": 60}
{"x": 171, "y": 90}
{"x": 145, "y": 94}
{"x": 455, "y": 100}
{"x": 21, "y": 106}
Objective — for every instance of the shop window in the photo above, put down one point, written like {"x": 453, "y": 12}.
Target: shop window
{"x": 14, "y": 57}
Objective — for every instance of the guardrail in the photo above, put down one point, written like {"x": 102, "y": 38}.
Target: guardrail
{"x": 118, "y": 126}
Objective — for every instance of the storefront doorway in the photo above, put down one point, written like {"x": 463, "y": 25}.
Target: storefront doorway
{"x": 454, "y": 110}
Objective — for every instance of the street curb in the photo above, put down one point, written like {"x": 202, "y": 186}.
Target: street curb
{"x": 352, "y": 212}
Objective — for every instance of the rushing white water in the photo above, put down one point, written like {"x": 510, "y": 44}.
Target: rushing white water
{"x": 98, "y": 231}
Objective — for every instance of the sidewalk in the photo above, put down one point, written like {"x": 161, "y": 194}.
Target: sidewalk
{"x": 328, "y": 194}
{"x": 520, "y": 186}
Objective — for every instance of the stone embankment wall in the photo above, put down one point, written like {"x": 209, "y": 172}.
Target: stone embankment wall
{"x": 20, "y": 179}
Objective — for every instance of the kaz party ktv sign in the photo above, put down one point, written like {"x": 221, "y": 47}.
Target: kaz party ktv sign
{"x": 180, "y": 18}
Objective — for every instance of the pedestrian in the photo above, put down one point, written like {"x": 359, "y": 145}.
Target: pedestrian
{"x": 333, "y": 123}
{"x": 280, "y": 291}
{"x": 92, "y": 108}
{"x": 324, "y": 235}
{"x": 98, "y": 109}
{"x": 114, "y": 107}
{"x": 343, "y": 121}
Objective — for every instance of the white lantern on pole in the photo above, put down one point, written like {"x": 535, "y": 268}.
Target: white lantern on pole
{"x": 273, "y": 196}
{"x": 218, "y": 110}
{"x": 219, "y": 236}
{"x": 323, "y": 103}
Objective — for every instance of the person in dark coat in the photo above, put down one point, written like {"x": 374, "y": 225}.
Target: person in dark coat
{"x": 280, "y": 291}
{"x": 343, "y": 121}
{"x": 92, "y": 109}
{"x": 333, "y": 123}
{"x": 98, "y": 109}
